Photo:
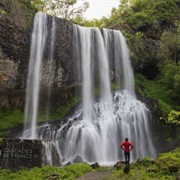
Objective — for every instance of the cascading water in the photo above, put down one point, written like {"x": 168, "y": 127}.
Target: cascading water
{"x": 96, "y": 128}
{"x": 33, "y": 83}
{"x": 50, "y": 76}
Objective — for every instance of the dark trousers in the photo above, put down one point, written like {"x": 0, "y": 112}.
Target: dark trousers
{"x": 127, "y": 157}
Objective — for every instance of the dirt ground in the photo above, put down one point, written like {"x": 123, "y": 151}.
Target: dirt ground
{"x": 95, "y": 176}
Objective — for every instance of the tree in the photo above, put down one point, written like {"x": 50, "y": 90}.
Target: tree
{"x": 169, "y": 63}
{"x": 170, "y": 48}
{"x": 66, "y": 9}
{"x": 39, "y": 4}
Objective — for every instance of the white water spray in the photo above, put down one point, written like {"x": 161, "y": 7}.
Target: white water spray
{"x": 34, "y": 75}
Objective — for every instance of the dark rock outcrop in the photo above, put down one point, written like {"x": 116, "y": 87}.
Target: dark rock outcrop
{"x": 95, "y": 165}
{"x": 119, "y": 165}
{"x": 78, "y": 159}
{"x": 15, "y": 34}
{"x": 15, "y": 40}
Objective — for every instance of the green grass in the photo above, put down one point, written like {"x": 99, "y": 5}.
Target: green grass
{"x": 139, "y": 174}
{"x": 69, "y": 172}
{"x": 167, "y": 166}
{"x": 10, "y": 119}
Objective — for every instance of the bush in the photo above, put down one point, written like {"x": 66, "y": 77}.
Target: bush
{"x": 169, "y": 163}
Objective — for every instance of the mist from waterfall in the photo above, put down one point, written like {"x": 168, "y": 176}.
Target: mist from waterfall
{"x": 34, "y": 73}
{"x": 102, "y": 122}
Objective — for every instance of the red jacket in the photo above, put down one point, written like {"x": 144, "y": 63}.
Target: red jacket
{"x": 126, "y": 146}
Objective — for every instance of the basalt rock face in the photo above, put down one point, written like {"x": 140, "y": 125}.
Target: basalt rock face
{"x": 16, "y": 23}
{"x": 15, "y": 33}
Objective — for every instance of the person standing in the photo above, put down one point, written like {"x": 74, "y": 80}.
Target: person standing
{"x": 127, "y": 147}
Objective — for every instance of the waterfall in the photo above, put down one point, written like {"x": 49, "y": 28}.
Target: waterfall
{"x": 51, "y": 56}
{"x": 96, "y": 131}
{"x": 98, "y": 126}
{"x": 34, "y": 76}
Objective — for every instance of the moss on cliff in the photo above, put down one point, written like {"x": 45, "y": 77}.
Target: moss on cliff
{"x": 18, "y": 12}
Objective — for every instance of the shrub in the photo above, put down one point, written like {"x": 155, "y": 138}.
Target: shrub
{"x": 169, "y": 163}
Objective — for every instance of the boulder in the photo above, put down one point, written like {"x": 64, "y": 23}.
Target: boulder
{"x": 78, "y": 159}
{"x": 119, "y": 165}
{"x": 95, "y": 165}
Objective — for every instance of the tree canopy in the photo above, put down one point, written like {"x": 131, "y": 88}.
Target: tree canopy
{"x": 66, "y": 9}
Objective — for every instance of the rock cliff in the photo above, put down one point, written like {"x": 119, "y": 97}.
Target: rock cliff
{"x": 16, "y": 25}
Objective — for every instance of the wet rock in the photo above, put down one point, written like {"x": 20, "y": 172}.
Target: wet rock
{"x": 95, "y": 165}
{"x": 68, "y": 163}
{"x": 126, "y": 169}
{"x": 78, "y": 159}
{"x": 53, "y": 176}
{"x": 119, "y": 165}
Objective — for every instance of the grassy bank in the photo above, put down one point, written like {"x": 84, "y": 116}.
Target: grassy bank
{"x": 47, "y": 172}
{"x": 167, "y": 166}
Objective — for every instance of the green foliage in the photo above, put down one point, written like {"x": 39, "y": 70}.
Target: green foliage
{"x": 77, "y": 170}
{"x": 169, "y": 163}
{"x": 141, "y": 56}
{"x": 137, "y": 14}
{"x": 170, "y": 48}
{"x": 167, "y": 166}
{"x": 146, "y": 162}
{"x": 101, "y": 169}
{"x": 31, "y": 7}
{"x": 169, "y": 63}
{"x": 170, "y": 77}
{"x": 66, "y": 9}
{"x": 62, "y": 111}
{"x": 38, "y": 4}
{"x": 148, "y": 11}
{"x": 165, "y": 10}
{"x": 152, "y": 89}
{"x": 174, "y": 117}
{"x": 69, "y": 173}
{"x": 99, "y": 23}
{"x": 10, "y": 119}
{"x": 165, "y": 109}
{"x": 140, "y": 19}
{"x": 155, "y": 90}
